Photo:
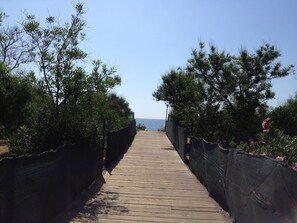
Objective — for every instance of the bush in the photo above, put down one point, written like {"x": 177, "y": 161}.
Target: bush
{"x": 285, "y": 117}
{"x": 20, "y": 142}
{"x": 162, "y": 129}
{"x": 273, "y": 143}
{"x": 141, "y": 126}
{"x": 278, "y": 145}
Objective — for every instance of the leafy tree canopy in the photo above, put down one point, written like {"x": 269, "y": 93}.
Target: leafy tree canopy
{"x": 219, "y": 95}
{"x": 65, "y": 103}
{"x": 285, "y": 117}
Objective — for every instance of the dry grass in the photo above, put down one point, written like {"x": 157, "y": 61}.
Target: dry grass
{"x": 3, "y": 147}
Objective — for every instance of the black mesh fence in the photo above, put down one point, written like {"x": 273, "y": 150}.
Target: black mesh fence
{"x": 252, "y": 188}
{"x": 172, "y": 132}
{"x": 35, "y": 188}
{"x": 260, "y": 189}
{"x": 118, "y": 142}
{"x": 208, "y": 162}
{"x": 178, "y": 137}
{"x": 7, "y": 167}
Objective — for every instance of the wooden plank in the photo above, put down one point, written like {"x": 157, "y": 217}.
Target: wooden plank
{"x": 150, "y": 184}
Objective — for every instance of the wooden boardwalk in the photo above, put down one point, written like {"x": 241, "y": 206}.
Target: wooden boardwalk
{"x": 150, "y": 184}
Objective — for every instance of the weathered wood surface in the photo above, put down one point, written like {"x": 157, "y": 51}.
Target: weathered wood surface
{"x": 150, "y": 184}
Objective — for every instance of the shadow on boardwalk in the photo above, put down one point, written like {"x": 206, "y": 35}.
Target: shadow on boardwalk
{"x": 93, "y": 202}
{"x": 90, "y": 204}
{"x": 150, "y": 184}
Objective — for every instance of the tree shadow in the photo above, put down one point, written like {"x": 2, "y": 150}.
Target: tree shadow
{"x": 92, "y": 204}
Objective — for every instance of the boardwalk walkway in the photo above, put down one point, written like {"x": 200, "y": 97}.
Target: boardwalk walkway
{"x": 150, "y": 184}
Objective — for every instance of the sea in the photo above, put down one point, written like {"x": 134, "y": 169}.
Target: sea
{"x": 151, "y": 124}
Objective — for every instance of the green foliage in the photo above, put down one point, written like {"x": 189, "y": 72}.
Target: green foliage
{"x": 118, "y": 112}
{"x": 67, "y": 104}
{"x": 15, "y": 50}
{"x": 57, "y": 52}
{"x": 276, "y": 143}
{"x": 15, "y": 94}
{"x": 223, "y": 97}
{"x": 2, "y": 15}
{"x": 273, "y": 143}
{"x": 140, "y": 127}
{"x": 162, "y": 129}
{"x": 285, "y": 117}
{"x": 20, "y": 142}
{"x": 183, "y": 94}
{"x": 2, "y": 132}
{"x": 178, "y": 88}
{"x": 102, "y": 78}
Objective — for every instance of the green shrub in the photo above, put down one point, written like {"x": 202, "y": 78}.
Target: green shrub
{"x": 162, "y": 129}
{"x": 276, "y": 144}
{"x": 20, "y": 141}
{"x": 273, "y": 143}
{"x": 141, "y": 126}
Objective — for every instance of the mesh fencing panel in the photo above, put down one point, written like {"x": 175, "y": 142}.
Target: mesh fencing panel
{"x": 182, "y": 143}
{"x": 215, "y": 167}
{"x": 252, "y": 188}
{"x": 35, "y": 188}
{"x": 260, "y": 189}
{"x": 197, "y": 160}
{"x": 7, "y": 169}
{"x": 178, "y": 137}
{"x": 172, "y": 132}
{"x": 118, "y": 142}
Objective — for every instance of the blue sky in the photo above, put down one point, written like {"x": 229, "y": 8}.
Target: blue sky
{"x": 144, "y": 39}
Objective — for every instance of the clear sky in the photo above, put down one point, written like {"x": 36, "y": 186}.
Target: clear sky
{"x": 144, "y": 39}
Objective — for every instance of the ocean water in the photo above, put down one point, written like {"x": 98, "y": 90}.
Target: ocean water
{"x": 151, "y": 124}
